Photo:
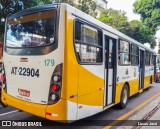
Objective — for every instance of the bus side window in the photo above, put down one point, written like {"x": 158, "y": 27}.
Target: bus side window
{"x": 124, "y": 53}
{"x": 151, "y": 59}
{"x": 88, "y": 43}
{"x": 110, "y": 53}
{"x": 134, "y": 55}
{"x": 147, "y": 58}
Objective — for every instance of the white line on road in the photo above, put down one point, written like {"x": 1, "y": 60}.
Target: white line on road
{"x": 3, "y": 114}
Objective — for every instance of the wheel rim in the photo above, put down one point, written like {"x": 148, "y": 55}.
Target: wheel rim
{"x": 125, "y": 96}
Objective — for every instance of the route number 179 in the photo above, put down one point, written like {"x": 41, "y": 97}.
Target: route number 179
{"x": 49, "y": 62}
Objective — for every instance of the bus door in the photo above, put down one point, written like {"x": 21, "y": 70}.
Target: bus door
{"x": 110, "y": 70}
{"x": 141, "y": 70}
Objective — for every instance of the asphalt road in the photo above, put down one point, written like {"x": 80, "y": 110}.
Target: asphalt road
{"x": 92, "y": 122}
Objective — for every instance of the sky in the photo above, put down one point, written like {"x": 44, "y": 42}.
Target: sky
{"x": 125, "y": 5}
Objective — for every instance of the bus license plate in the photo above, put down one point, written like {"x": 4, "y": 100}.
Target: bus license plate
{"x": 25, "y": 71}
{"x": 24, "y": 92}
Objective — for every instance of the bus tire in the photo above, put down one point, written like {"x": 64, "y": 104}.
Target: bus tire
{"x": 124, "y": 97}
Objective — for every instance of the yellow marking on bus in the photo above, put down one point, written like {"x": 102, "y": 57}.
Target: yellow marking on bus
{"x": 130, "y": 112}
{"x": 118, "y": 92}
{"x": 70, "y": 70}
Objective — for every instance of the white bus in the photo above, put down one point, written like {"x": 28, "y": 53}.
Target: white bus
{"x": 62, "y": 64}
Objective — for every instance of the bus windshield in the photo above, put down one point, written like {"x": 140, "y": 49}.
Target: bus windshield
{"x": 33, "y": 30}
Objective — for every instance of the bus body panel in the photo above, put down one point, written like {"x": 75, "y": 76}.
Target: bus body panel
{"x": 45, "y": 111}
{"x": 119, "y": 86}
{"x": 36, "y": 109}
{"x": 134, "y": 84}
{"x": 83, "y": 86}
{"x": 149, "y": 72}
{"x": 94, "y": 73}
{"x": 18, "y": 80}
{"x": 57, "y": 111}
{"x": 90, "y": 93}
{"x": 128, "y": 74}
{"x": 70, "y": 77}
{"x": 37, "y": 82}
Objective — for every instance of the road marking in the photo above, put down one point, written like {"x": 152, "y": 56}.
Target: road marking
{"x": 131, "y": 112}
{"x": 3, "y": 114}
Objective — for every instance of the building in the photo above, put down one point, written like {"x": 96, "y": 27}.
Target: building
{"x": 101, "y": 4}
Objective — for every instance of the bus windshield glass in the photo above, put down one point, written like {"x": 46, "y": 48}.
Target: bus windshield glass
{"x": 33, "y": 30}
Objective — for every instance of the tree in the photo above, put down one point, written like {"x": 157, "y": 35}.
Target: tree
{"x": 115, "y": 18}
{"x": 150, "y": 13}
{"x": 141, "y": 33}
{"x": 9, "y": 7}
{"x": 134, "y": 29}
{"x": 146, "y": 36}
{"x": 88, "y": 6}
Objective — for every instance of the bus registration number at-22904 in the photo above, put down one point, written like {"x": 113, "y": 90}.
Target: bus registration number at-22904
{"x": 25, "y": 71}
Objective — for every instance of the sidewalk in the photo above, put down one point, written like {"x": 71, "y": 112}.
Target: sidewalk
{"x": 143, "y": 112}
{"x": 156, "y": 117}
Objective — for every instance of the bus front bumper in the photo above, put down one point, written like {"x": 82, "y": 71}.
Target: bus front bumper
{"x": 55, "y": 112}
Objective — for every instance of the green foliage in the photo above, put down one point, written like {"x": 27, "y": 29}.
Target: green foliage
{"x": 150, "y": 13}
{"x": 87, "y": 6}
{"x": 115, "y": 18}
{"x": 141, "y": 33}
{"x": 134, "y": 29}
{"x": 9, "y": 7}
{"x": 147, "y": 36}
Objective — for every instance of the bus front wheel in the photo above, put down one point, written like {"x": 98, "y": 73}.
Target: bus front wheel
{"x": 124, "y": 97}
